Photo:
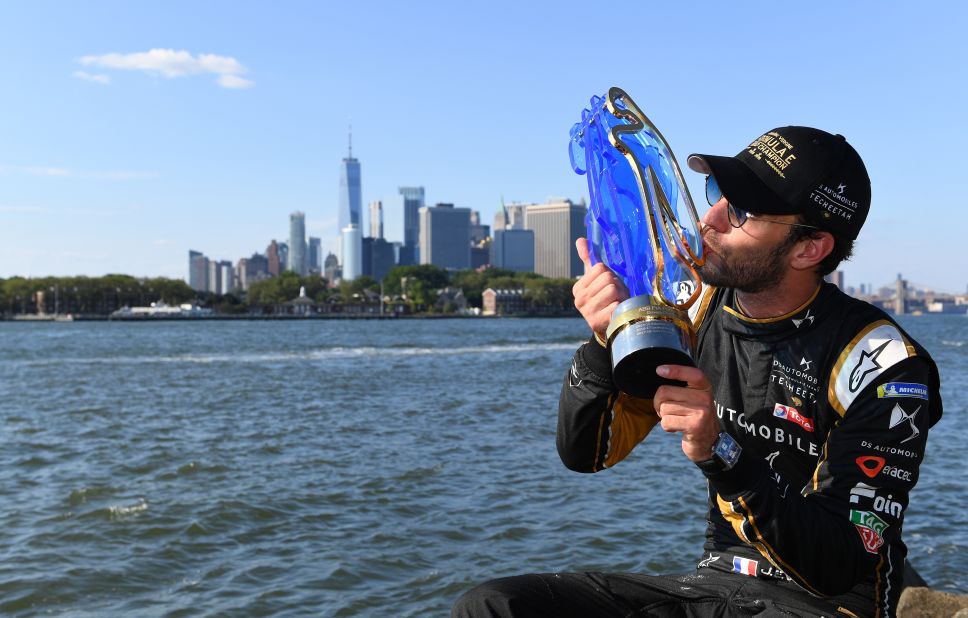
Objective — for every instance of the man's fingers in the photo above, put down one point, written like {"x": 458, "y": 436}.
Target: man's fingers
{"x": 582, "y": 245}
{"x": 692, "y": 376}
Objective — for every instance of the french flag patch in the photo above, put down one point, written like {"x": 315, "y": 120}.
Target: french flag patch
{"x": 744, "y": 566}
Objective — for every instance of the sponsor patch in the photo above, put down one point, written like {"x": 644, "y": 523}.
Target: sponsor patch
{"x": 890, "y": 450}
{"x": 870, "y": 465}
{"x": 875, "y": 349}
{"x": 900, "y": 416}
{"x": 870, "y": 527}
{"x": 902, "y": 389}
{"x": 744, "y": 566}
{"x": 862, "y": 490}
{"x": 789, "y": 413}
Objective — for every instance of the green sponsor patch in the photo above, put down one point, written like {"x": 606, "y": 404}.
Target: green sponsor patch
{"x": 868, "y": 520}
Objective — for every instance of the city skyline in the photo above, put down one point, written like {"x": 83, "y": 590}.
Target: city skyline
{"x": 136, "y": 135}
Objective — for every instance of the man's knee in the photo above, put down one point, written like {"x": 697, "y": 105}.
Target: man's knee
{"x": 507, "y": 596}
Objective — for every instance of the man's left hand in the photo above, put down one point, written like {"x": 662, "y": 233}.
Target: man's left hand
{"x": 688, "y": 410}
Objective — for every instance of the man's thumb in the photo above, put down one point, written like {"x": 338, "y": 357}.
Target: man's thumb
{"x": 582, "y": 245}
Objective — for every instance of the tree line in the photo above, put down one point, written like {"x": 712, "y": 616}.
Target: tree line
{"x": 415, "y": 286}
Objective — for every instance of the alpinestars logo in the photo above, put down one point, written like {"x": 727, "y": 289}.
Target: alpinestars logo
{"x": 806, "y": 318}
{"x": 898, "y": 416}
{"x": 573, "y": 379}
{"x": 866, "y": 365}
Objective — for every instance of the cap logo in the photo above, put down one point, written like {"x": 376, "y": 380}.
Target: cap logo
{"x": 775, "y": 149}
{"x": 834, "y": 202}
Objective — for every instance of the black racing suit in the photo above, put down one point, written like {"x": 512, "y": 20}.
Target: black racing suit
{"x": 831, "y": 404}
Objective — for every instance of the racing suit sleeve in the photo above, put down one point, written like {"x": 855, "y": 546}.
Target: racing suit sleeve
{"x": 598, "y": 425}
{"x": 852, "y": 507}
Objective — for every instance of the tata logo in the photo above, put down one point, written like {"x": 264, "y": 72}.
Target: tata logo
{"x": 791, "y": 414}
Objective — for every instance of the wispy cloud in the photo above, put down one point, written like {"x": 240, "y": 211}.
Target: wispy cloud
{"x": 61, "y": 172}
{"x": 97, "y": 78}
{"x": 170, "y": 63}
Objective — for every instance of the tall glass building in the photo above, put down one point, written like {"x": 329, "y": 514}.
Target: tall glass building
{"x": 297, "y": 243}
{"x": 350, "y": 191}
{"x": 413, "y": 201}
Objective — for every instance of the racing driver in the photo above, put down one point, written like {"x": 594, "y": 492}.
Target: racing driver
{"x": 807, "y": 411}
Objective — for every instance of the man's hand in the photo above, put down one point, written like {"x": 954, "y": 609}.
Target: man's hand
{"x": 688, "y": 410}
{"x": 597, "y": 293}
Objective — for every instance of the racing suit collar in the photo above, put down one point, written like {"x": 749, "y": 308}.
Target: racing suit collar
{"x": 801, "y": 319}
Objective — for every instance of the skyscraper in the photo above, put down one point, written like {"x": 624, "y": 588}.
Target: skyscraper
{"x": 274, "y": 261}
{"x": 445, "y": 236}
{"x": 413, "y": 201}
{"x": 314, "y": 261}
{"x": 513, "y": 250}
{"x": 350, "y": 191}
{"x": 352, "y": 252}
{"x": 297, "y": 243}
{"x": 197, "y": 271}
{"x": 556, "y": 225}
{"x": 376, "y": 219}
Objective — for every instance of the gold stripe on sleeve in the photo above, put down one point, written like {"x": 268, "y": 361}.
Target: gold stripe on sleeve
{"x": 632, "y": 420}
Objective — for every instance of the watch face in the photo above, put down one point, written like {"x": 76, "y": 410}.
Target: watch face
{"x": 727, "y": 449}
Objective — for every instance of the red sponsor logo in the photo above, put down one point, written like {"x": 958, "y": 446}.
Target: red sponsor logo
{"x": 870, "y": 464}
{"x": 872, "y": 540}
{"x": 791, "y": 414}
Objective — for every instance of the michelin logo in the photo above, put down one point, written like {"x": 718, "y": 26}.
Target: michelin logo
{"x": 902, "y": 389}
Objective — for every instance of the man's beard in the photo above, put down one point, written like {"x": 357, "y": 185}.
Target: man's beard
{"x": 750, "y": 274}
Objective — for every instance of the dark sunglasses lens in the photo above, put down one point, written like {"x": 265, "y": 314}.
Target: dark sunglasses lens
{"x": 713, "y": 193}
{"x": 737, "y": 216}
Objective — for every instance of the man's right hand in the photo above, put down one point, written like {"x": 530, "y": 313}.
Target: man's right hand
{"x": 597, "y": 293}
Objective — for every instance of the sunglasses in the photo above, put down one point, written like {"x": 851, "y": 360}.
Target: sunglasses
{"x": 737, "y": 216}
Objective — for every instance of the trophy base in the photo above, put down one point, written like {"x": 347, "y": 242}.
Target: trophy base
{"x": 642, "y": 337}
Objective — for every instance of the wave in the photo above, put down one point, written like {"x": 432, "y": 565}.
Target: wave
{"x": 956, "y": 344}
{"x": 315, "y": 355}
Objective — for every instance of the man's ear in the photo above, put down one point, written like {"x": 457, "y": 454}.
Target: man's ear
{"x": 811, "y": 251}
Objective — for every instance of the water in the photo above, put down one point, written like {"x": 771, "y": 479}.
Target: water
{"x": 335, "y": 468}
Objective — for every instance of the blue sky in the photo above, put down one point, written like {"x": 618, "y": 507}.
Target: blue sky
{"x": 114, "y": 158}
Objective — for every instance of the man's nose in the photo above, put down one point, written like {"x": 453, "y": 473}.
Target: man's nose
{"x": 717, "y": 217}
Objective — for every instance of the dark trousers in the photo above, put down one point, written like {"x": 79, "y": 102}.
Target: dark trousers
{"x": 703, "y": 594}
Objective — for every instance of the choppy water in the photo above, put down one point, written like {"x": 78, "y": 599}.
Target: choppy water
{"x": 334, "y": 468}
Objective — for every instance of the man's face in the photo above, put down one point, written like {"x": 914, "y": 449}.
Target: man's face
{"x": 751, "y": 258}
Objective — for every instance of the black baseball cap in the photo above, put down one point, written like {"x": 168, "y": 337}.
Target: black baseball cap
{"x": 796, "y": 170}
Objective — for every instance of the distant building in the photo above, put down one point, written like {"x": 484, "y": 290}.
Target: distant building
{"x": 297, "y": 243}
{"x": 510, "y": 217}
{"x": 283, "y": 256}
{"x": 503, "y": 302}
{"x": 214, "y": 277}
{"x": 252, "y": 269}
{"x": 445, "y": 236}
{"x": 480, "y": 255}
{"x": 900, "y": 296}
{"x": 513, "y": 250}
{"x": 376, "y": 219}
{"x": 352, "y": 241}
{"x": 378, "y": 257}
{"x": 350, "y": 190}
{"x": 837, "y": 278}
{"x": 274, "y": 261}
{"x": 197, "y": 271}
{"x": 413, "y": 201}
{"x": 556, "y": 226}
{"x": 479, "y": 233}
{"x": 315, "y": 257}
{"x": 331, "y": 269}
{"x": 226, "y": 277}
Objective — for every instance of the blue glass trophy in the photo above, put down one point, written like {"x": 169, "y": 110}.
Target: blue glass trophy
{"x": 643, "y": 224}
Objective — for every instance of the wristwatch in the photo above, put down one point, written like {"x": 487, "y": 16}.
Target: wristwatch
{"x": 726, "y": 452}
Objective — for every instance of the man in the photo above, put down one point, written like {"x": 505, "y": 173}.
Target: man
{"x": 807, "y": 411}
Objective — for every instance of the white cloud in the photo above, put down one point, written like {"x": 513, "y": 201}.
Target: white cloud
{"x": 235, "y": 82}
{"x": 97, "y": 78}
{"x": 171, "y": 63}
